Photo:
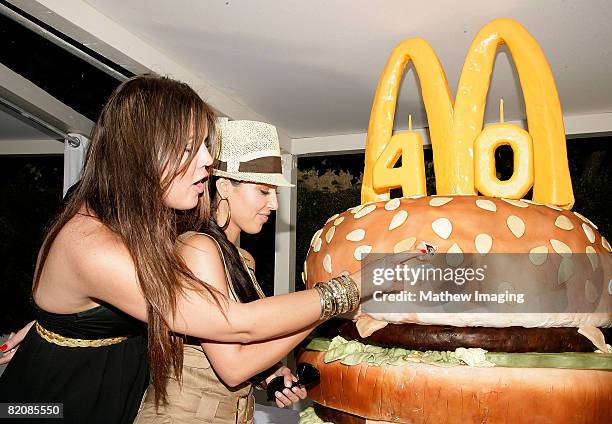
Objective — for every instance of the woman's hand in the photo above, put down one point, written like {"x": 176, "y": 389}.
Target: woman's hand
{"x": 11, "y": 344}
{"x": 287, "y": 396}
{"x": 363, "y": 277}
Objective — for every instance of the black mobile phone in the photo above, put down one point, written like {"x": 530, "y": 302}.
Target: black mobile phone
{"x": 307, "y": 375}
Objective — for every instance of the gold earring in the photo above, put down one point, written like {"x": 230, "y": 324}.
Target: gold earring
{"x": 229, "y": 213}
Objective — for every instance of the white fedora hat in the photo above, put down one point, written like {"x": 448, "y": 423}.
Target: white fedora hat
{"x": 250, "y": 152}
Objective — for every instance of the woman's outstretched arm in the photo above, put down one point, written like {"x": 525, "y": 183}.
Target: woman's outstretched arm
{"x": 253, "y": 357}
{"x": 106, "y": 272}
{"x": 104, "y": 264}
{"x": 199, "y": 252}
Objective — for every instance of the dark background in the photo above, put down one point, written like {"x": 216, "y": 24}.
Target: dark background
{"x": 31, "y": 193}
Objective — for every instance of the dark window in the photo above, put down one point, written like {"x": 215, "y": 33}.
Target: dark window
{"x": 65, "y": 76}
{"x": 31, "y": 193}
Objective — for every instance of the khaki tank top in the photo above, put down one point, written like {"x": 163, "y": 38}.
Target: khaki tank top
{"x": 203, "y": 397}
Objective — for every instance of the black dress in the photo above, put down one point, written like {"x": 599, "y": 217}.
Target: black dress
{"x": 96, "y": 384}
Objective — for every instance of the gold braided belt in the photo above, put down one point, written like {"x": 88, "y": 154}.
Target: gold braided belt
{"x": 59, "y": 340}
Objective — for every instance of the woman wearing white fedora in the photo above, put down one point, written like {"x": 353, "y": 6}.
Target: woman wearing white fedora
{"x": 243, "y": 194}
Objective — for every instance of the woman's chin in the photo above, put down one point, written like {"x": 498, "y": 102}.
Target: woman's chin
{"x": 183, "y": 206}
{"x": 253, "y": 229}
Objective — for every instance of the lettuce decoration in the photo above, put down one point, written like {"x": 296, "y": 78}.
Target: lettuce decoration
{"x": 352, "y": 352}
{"x": 309, "y": 416}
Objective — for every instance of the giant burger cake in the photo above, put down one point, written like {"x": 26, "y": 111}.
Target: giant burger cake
{"x": 547, "y": 364}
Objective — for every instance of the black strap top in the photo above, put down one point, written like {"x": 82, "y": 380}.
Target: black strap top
{"x": 101, "y": 322}
{"x": 97, "y": 383}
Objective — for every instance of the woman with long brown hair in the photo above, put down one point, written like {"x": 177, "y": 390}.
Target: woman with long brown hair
{"x": 110, "y": 254}
{"x": 110, "y": 263}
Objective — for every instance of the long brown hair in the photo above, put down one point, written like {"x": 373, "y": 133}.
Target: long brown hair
{"x": 143, "y": 130}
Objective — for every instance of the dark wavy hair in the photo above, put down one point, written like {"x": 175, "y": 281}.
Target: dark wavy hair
{"x": 143, "y": 130}
{"x": 239, "y": 276}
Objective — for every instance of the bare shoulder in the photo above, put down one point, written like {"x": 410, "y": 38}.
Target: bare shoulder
{"x": 248, "y": 257}
{"x": 85, "y": 239}
{"x": 198, "y": 242}
{"x": 202, "y": 256}
{"x": 88, "y": 261}
{"x": 91, "y": 245}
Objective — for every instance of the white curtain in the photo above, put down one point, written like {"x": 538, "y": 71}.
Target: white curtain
{"x": 74, "y": 158}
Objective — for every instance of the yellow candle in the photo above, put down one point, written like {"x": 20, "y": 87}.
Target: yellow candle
{"x": 488, "y": 141}
{"x": 410, "y": 176}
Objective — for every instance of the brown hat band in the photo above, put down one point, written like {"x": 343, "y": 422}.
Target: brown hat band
{"x": 263, "y": 165}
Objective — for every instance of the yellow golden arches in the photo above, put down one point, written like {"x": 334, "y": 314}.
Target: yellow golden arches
{"x": 436, "y": 97}
{"x": 552, "y": 184}
{"x": 453, "y": 132}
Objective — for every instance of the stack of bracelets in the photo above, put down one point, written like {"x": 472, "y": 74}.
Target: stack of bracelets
{"x": 338, "y": 296}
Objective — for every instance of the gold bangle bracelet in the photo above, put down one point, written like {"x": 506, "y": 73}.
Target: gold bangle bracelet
{"x": 352, "y": 292}
{"x": 346, "y": 301}
{"x": 339, "y": 295}
{"x": 322, "y": 299}
{"x": 336, "y": 293}
{"x": 333, "y": 299}
{"x": 355, "y": 291}
{"x": 327, "y": 301}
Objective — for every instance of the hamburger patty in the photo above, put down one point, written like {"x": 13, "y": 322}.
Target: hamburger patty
{"x": 446, "y": 337}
